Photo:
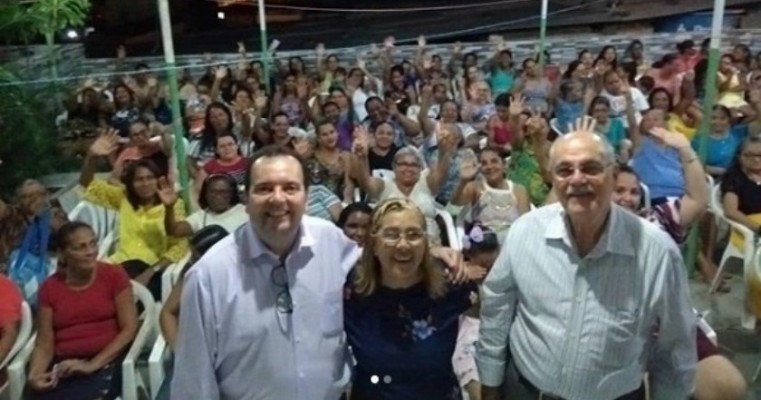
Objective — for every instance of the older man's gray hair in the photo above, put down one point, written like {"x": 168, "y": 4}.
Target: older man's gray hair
{"x": 608, "y": 152}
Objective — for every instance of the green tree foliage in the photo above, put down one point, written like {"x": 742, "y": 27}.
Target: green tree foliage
{"x": 28, "y": 137}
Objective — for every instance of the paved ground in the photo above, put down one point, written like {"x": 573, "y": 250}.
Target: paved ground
{"x": 741, "y": 346}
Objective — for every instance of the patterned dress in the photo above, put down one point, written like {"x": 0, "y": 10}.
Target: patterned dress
{"x": 524, "y": 170}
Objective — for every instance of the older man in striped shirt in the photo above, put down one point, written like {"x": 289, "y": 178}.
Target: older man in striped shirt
{"x": 571, "y": 304}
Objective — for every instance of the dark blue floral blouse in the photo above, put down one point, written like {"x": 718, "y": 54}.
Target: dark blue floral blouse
{"x": 403, "y": 341}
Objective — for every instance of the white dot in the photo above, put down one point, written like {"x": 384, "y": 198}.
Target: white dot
{"x": 374, "y": 379}
{"x": 386, "y": 379}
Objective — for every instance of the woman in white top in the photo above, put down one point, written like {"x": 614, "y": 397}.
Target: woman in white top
{"x": 219, "y": 202}
{"x": 410, "y": 180}
{"x": 495, "y": 201}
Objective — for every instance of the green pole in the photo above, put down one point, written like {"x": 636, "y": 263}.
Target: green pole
{"x": 708, "y": 103}
{"x": 542, "y": 36}
{"x": 265, "y": 46}
{"x": 174, "y": 94}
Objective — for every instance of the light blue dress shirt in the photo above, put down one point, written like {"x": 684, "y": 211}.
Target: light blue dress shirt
{"x": 582, "y": 328}
{"x": 235, "y": 344}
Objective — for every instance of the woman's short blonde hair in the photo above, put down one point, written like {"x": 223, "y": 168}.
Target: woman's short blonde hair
{"x": 368, "y": 272}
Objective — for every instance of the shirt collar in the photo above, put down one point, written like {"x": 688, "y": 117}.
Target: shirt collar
{"x": 252, "y": 247}
{"x": 614, "y": 239}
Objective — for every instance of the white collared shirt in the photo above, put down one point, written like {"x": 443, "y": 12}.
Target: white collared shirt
{"x": 235, "y": 344}
{"x": 582, "y": 328}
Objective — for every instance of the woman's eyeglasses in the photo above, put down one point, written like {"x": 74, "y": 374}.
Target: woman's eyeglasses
{"x": 279, "y": 278}
{"x": 392, "y": 237}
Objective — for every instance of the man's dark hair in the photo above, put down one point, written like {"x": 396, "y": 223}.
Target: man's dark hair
{"x": 273, "y": 151}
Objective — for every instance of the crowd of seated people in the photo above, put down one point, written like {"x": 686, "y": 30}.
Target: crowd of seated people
{"x": 469, "y": 133}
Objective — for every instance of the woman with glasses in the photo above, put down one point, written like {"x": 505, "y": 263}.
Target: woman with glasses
{"x": 410, "y": 180}
{"x": 219, "y": 202}
{"x": 401, "y": 314}
{"x": 86, "y": 321}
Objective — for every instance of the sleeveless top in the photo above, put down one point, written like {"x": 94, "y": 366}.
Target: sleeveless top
{"x": 496, "y": 209}
{"x": 660, "y": 169}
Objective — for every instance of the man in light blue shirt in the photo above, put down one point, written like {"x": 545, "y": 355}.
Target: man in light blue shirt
{"x": 262, "y": 311}
{"x": 578, "y": 292}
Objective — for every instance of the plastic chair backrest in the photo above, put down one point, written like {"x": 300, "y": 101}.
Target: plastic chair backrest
{"x": 646, "y": 199}
{"x": 715, "y": 203}
{"x": 144, "y": 297}
{"x": 25, "y": 331}
{"x": 555, "y": 127}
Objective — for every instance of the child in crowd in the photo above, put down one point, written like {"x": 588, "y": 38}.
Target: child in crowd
{"x": 481, "y": 248}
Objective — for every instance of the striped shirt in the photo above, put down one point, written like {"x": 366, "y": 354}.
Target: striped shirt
{"x": 581, "y": 328}
{"x": 319, "y": 201}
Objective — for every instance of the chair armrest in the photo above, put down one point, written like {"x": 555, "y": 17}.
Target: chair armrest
{"x": 156, "y": 373}
{"x": 17, "y": 369}
{"x": 129, "y": 372}
{"x": 171, "y": 276}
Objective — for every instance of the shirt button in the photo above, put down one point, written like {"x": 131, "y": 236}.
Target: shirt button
{"x": 374, "y": 379}
{"x": 386, "y": 379}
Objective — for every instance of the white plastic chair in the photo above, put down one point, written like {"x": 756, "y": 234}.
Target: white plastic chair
{"x": 131, "y": 380}
{"x": 171, "y": 276}
{"x": 746, "y": 255}
{"x": 452, "y": 238}
{"x": 157, "y": 360}
{"x": 25, "y": 331}
{"x": 102, "y": 220}
{"x": 646, "y": 200}
{"x": 554, "y": 126}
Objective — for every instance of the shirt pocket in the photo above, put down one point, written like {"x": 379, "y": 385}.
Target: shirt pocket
{"x": 332, "y": 313}
{"x": 615, "y": 331}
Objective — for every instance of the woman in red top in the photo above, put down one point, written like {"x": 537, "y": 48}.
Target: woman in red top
{"x": 86, "y": 320}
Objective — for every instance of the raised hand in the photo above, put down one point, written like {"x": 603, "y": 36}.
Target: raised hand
{"x": 241, "y": 47}
{"x": 671, "y": 139}
{"x": 427, "y": 62}
{"x": 583, "y": 124}
{"x": 320, "y": 49}
{"x": 457, "y": 48}
{"x": 389, "y": 42}
{"x": 166, "y": 192}
{"x": 421, "y": 42}
{"x": 260, "y": 102}
{"x": 121, "y": 52}
{"x": 105, "y": 144}
{"x": 302, "y": 90}
{"x": 220, "y": 72}
{"x": 468, "y": 170}
{"x": 516, "y": 104}
{"x": 426, "y": 93}
{"x": 361, "y": 141}
{"x": 446, "y": 138}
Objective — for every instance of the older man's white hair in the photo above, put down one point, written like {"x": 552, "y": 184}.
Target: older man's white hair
{"x": 608, "y": 152}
